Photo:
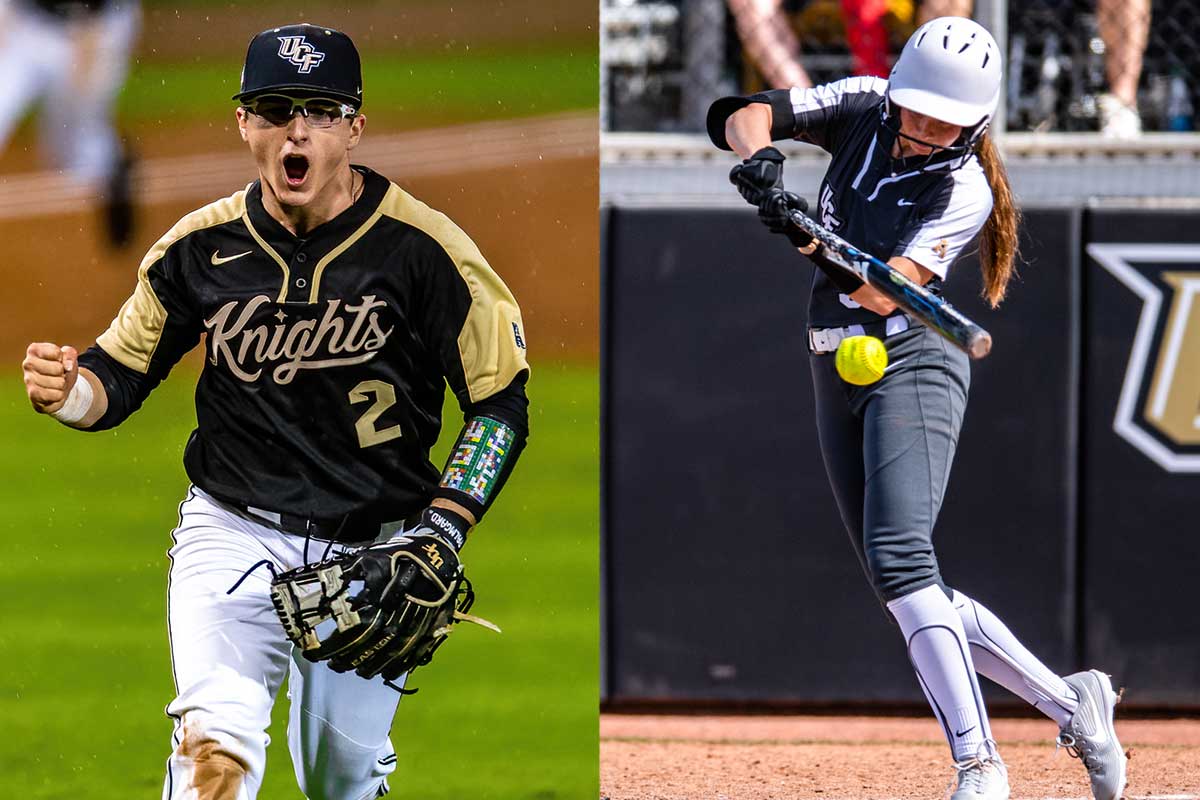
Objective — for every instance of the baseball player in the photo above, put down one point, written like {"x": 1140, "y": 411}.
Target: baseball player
{"x": 72, "y": 56}
{"x": 914, "y": 179}
{"x": 336, "y": 308}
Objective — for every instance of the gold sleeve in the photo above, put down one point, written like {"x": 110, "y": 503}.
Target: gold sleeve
{"x": 491, "y": 340}
{"x": 134, "y": 336}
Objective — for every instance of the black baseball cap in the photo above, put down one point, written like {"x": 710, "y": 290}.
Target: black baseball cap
{"x": 310, "y": 59}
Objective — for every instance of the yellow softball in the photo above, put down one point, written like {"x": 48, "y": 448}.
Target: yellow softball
{"x": 861, "y": 360}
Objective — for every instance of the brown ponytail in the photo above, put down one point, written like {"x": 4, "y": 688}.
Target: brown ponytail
{"x": 998, "y": 244}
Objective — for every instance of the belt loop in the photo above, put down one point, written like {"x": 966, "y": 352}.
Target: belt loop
{"x": 273, "y": 517}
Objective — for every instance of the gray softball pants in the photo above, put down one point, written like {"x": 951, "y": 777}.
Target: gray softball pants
{"x": 888, "y": 448}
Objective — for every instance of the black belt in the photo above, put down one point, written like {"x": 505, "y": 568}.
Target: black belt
{"x": 355, "y": 527}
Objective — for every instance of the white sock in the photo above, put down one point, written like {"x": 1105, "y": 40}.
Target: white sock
{"x": 998, "y": 655}
{"x": 938, "y": 650}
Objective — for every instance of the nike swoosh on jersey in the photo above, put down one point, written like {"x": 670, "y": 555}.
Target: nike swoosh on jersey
{"x": 903, "y": 202}
{"x": 217, "y": 260}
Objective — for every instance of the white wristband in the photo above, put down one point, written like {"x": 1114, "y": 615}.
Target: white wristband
{"x": 79, "y": 403}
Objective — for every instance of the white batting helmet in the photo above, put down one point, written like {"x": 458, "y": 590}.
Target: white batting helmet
{"x": 949, "y": 70}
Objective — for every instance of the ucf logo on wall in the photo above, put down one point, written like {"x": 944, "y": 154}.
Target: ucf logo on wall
{"x": 1159, "y": 408}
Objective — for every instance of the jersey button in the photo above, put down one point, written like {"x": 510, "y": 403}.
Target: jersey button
{"x": 301, "y": 283}
{"x": 301, "y": 257}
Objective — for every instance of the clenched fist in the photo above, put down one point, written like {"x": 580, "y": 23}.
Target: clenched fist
{"x": 50, "y": 373}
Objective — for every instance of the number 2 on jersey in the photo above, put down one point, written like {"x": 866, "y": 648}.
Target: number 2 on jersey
{"x": 385, "y": 398}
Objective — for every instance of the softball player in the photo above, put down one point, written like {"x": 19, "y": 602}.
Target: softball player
{"x": 336, "y": 308}
{"x": 914, "y": 178}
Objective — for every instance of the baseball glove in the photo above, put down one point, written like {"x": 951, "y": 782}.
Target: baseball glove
{"x": 382, "y": 610}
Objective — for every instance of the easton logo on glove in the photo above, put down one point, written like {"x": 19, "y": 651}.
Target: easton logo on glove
{"x": 373, "y": 649}
{"x": 407, "y": 596}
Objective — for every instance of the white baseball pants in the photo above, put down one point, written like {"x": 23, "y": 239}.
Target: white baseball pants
{"x": 229, "y": 656}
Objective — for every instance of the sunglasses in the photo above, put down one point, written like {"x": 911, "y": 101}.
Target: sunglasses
{"x": 318, "y": 112}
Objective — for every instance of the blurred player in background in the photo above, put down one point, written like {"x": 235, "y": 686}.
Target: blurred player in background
{"x": 914, "y": 178}
{"x": 72, "y": 56}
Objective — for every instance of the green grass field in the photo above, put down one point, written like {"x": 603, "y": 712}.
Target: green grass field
{"x": 399, "y": 89}
{"x": 85, "y": 522}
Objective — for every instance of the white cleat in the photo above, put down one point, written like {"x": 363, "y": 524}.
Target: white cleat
{"x": 983, "y": 777}
{"x": 1090, "y": 736}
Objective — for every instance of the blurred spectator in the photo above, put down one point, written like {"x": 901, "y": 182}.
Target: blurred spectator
{"x": 72, "y": 57}
{"x": 770, "y": 42}
{"x": 867, "y": 36}
{"x": 932, "y": 9}
{"x": 1124, "y": 27}
{"x": 766, "y": 33}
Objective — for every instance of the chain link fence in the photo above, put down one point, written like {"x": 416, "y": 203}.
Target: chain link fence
{"x": 1119, "y": 67}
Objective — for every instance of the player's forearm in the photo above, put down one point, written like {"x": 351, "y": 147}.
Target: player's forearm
{"x": 749, "y": 129}
{"x": 481, "y": 461}
{"x": 86, "y": 402}
{"x": 872, "y": 299}
{"x": 99, "y": 404}
{"x": 449, "y": 505}
{"x": 124, "y": 389}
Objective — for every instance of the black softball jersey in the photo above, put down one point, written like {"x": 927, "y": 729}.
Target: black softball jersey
{"x": 327, "y": 355}
{"x": 923, "y": 209}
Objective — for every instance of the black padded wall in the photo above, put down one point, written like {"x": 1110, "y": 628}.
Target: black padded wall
{"x": 728, "y": 572}
{"x": 1141, "y": 459}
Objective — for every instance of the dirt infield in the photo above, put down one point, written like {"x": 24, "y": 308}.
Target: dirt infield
{"x": 525, "y": 192}
{"x": 646, "y": 757}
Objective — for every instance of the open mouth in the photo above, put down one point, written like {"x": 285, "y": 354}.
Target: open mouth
{"x": 295, "y": 168}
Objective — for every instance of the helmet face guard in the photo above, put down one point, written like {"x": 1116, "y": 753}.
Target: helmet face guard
{"x": 956, "y": 154}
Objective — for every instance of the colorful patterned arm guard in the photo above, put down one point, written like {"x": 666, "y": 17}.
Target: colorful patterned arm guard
{"x": 479, "y": 464}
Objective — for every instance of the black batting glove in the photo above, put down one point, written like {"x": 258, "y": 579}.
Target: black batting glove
{"x": 758, "y": 174}
{"x": 450, "y": 527}
{"x": 775, "y": 208}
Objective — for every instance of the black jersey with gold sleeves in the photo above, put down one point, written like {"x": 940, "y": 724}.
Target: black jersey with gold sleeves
{"x": 327, "y": 355}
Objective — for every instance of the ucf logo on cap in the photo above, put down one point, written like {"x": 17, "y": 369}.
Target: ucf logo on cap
{"x": 298, "y": 51}
{"x": 1159, "y": 408}
{"x": 302, "y": 57}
